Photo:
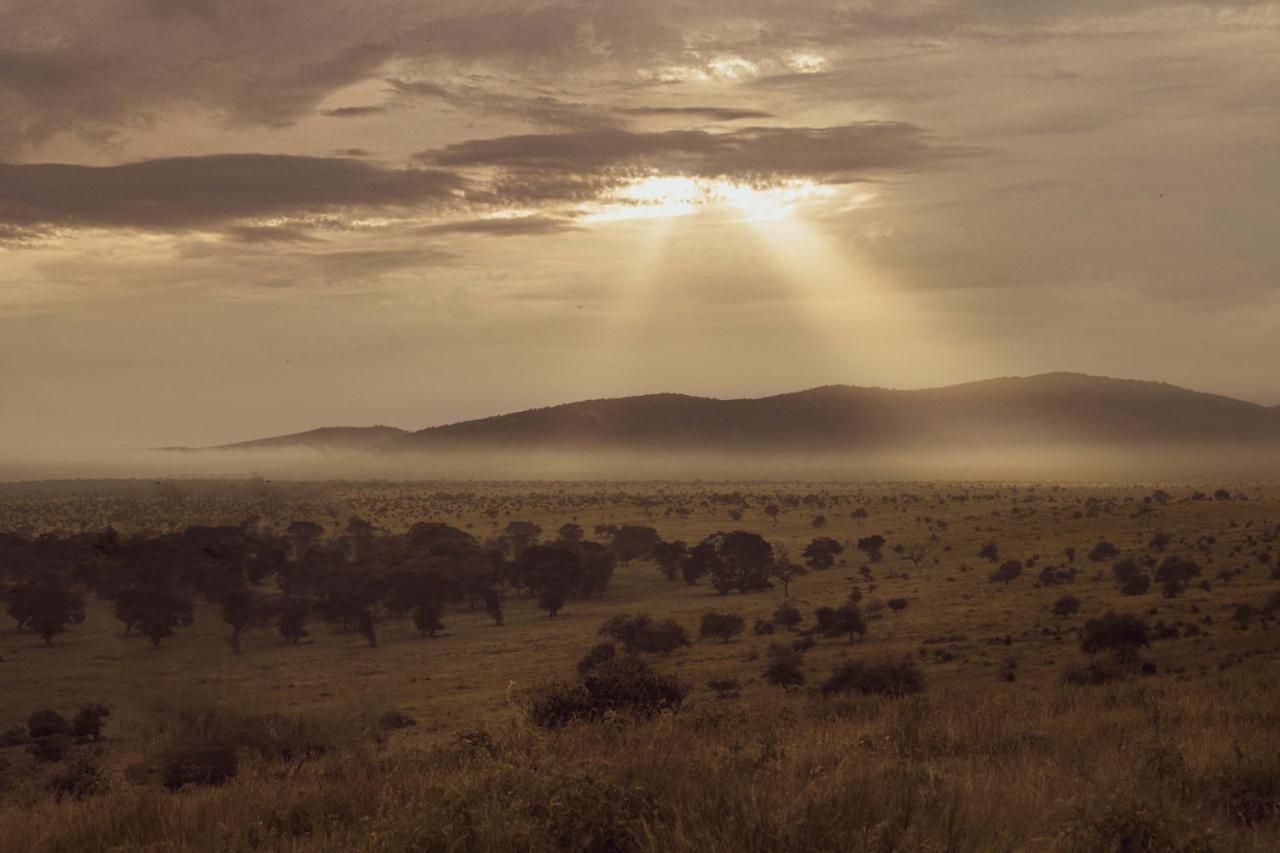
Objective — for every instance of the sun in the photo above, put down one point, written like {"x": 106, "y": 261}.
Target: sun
{"x": 669, "y": 196}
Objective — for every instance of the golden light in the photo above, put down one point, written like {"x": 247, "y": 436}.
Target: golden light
{"x": 665, "y": 197}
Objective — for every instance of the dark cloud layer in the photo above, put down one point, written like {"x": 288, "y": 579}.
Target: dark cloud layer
{"x": 825, "y": 153}
{"x": 185, "y": 192}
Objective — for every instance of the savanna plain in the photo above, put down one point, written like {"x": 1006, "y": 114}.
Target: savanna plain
{"x": 618, "y": 666}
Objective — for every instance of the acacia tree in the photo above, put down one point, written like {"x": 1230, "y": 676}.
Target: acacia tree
{"x": 292, "y": 619}
{"x": 45, "y": 607}
{"x": 821, "y": 553}
{"x": 784, "y": 572}
{"x": 238, "y": 609}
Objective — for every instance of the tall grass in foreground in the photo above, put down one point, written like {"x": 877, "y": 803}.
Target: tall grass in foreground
{"x": 1143, "y": 765}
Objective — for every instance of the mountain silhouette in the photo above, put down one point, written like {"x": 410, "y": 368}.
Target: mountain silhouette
{"x": 1051, "y": 408}
{"x": 331, "y": 439}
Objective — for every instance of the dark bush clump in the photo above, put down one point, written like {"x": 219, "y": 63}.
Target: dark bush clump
{"x": 199, "y": 766}
{"x": 886, "y": 678}
{"x": 87, "y": 723}
{"x": 623, "y": 685}
{"x": 786, "y": 671}
{"x": 599, "y": 653}
{"x": 46, "y": 724}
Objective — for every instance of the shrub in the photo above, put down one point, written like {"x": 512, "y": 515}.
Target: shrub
{"x": 598, "y": 654}
{"x": 897, "y": 604}
{"x": 722, "y": 626}
{"x": 78, "y": 779}
{"x": 87, "y": 723}
{"x": 1093, "y": 673}
{"x": 785, "y": 671}
{"x": 641, "y": 633}
{"x": 787, "y": 615}
{"x": 887, "y": 678}
{"x": 199, "y": 766}
{"x": 46, "y": 724}
{"x": 1066, "y": 607}
{"x": 1122, "y": 633}
{"x": 50, "y": 748}
{"x": 624, "y": 685}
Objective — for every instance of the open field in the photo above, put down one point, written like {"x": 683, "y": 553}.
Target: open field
{"x": 995, "y": 753}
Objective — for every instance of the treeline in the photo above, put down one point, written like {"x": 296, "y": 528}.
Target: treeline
{"x": 259, "y": 578}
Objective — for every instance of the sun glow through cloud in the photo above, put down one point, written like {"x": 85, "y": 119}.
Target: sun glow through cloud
{"x": 664, "y": 197}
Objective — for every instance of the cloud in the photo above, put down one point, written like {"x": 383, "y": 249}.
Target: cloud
{"x": 354, "y": 112}
{"x": 825, "y": 153}
{"x": 512, "y": 226}
{"x": 179, "y": 193}
{"x": 713, "y": 113}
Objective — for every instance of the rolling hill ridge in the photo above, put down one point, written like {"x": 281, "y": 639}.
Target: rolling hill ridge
{"x": 1051, "y": 408}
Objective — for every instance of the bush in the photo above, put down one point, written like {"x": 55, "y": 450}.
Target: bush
{"x": 623, "y": 685}
{"x": 787, "y": 615}
{"x": 640, "y": 634}
{"x": 87, "y": 723}
{"x": 722, "y": 626}
{"x": 46, "y": 724}
{"x": 1122, "y": 633}
{"x": 886, "y": 678}
{"x": 50, "y": 748}
{"x": 78, "y": 779}
{"x": 1094, "y": 673}
{"x": 598, "y": 654}
{"x": 785, "y": 671}
{"x": 199, "y": 766}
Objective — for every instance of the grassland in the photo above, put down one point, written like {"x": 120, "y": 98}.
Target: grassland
{"x": 996, "y": 754}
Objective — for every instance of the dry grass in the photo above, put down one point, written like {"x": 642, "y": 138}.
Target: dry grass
{"x": 1187, "y": 759}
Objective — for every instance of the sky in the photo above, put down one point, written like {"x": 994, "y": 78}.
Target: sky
{"x": 225, "y": 219}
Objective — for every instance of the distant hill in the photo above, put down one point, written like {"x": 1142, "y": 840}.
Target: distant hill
{"x": 1057, "y": 408}
{"x": 339, "y": 439}
{"x": 1051, "y": 408}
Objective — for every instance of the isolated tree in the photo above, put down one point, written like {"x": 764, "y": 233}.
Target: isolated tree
{"x": 784, "y": 572}
{"x": 493, "y": 606}
{"x": 426, "y": 618}
{"x": 744, "y": 562}
{"x": 872, "y": 547}
{"x": 786, "y": 671}
{"x": 990, "y": 551}
{"x": 1066, "y": 607}
{"x": 668, "y": 556}
{"x": 1121, "y": 633}
{"x": 303, "y": 536}
{"x": 642, "y": 634}
{"x": 520, "y": 535}
{"x": 570, "y": 532}
{"x": 1160, "y": 541}
{"x": 723, "y": 626}
{"x": 291, "y": 622}
{"x": 551, "y": 599}
{"x": 366, "y": 624}
{"x": 897, "y": 605}
{"x": 1104, "y": 550}
{"x": 917, "y": 552}
{"x": 772, "y": 510}
{"x": 1174, "y": 573}
{"x": 821, "y": 553}
{"x": 159, "y": 610}
{"x": 859, "y": 514}
{"x": 702, "y": 560}
{"x": 238, "y": 610}
{"x": 86, "y": 725}
{"x": 845, "y": 619}
{"x": 819, "y": 521}
{"x": 45, "y": 607}
{"x": 634, "y": 542}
